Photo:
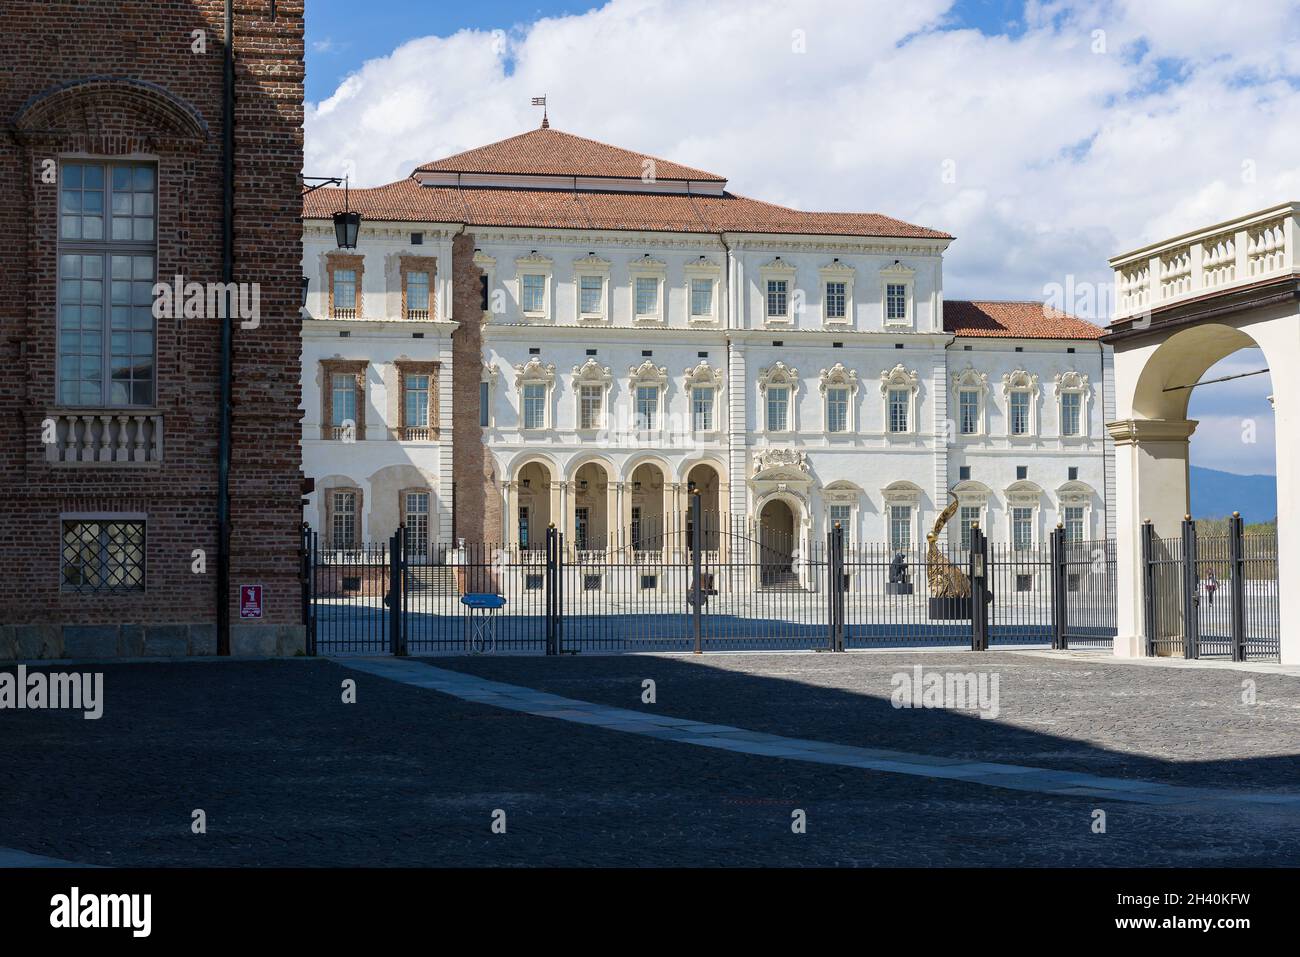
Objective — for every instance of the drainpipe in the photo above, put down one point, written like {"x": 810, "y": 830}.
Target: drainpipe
{"x": 227, "y": 276}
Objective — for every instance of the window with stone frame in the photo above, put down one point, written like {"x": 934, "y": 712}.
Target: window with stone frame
{"x": 106, "y": 273}
{"x": 417, "y": 278}
{"x": 418, "y": 410}
{"x": 968, "y": 517}
{"x": 343, "y": 399}
{"x": 343, "y": 273}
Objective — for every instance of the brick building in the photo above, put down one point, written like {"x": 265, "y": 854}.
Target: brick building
{"x": 113, "y": 165}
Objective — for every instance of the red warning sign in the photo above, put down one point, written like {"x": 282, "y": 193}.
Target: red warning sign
{"x": 250, "y": 601}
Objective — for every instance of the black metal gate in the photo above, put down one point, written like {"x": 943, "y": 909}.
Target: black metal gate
{"x": 1211, "y": 595}
{"x": 698, "y": 581}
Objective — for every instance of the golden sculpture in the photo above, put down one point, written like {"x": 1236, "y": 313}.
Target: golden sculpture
{"x": 946, "y": 579}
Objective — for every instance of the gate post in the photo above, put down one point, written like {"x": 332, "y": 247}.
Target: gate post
{"x": 1236, "y": 529}
{"x": 309, "y": 589}
{"x": 697, "y": 592}
{"x": 1059, "y": 589}
{"x": 1149, "y": 585}
{"x": 1191, "y": 592}
{"x": 835, "y": 586}
{"x": 396, "y": 570}
{"x": 979, "y": 609}
{"x": 552, "y": 597}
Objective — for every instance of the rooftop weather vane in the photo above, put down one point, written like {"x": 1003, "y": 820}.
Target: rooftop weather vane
{"x": 541, "y": 101}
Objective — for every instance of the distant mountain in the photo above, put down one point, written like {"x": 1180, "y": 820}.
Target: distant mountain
{"x": 1216, "y": 494}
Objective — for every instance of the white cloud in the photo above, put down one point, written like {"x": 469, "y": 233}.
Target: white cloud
{"x": 1063, "y": 156}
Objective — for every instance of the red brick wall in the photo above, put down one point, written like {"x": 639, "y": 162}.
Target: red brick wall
{"x": 48, "y": 43}
{"x": 478, "y": 493}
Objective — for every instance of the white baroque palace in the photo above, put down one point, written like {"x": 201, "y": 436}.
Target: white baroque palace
{"x": 587, "y": 334}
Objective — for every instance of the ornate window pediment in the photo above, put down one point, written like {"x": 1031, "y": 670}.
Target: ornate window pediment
{"x": 1020, "y": 379}
{"x": 534, "y": 370}
{"x": 1075, "y": 493}
{"x": 971, "y": 492}
{"x": 1024, "y": 493}
{"x": 778, "y": 374}
{"x": 970, "y": 378}
{"x": 592, "y": 372}
{"x": 1071, "y": 381}
{"x": 703, "y": 374}
{"x": 838, "y": 375}
{"x": 902, "y": 493}
{"x": 647, "y": 373}
{"x": 901, "y": 377}
{"x": 591, "y": 263}
{"x": 841, "y": 493}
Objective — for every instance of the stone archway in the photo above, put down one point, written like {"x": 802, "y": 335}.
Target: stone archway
{"x": 1240, "y": 290}
{"x": 777, "y": 541}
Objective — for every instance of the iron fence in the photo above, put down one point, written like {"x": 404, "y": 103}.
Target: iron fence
{"x": 1211, "y": 596}
{"x": 698, "y": 581}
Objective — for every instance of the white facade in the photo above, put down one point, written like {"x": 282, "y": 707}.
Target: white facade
{"x": 801, "y": 393}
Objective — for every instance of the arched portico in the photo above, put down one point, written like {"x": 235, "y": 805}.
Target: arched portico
{"x": 1166, "y": 335}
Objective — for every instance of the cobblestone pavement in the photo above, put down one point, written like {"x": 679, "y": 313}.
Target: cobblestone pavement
{"x": 287, "y": 775}
{"x": 1175, "y": 725}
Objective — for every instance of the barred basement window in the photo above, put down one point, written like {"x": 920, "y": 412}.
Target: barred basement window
{"x": 103, "y": 556}
{"x": 649, "y": 581}
{"x": 591, "y": 583}
{"x": 1024, "y": 583}
{"x": 533, "y": 582}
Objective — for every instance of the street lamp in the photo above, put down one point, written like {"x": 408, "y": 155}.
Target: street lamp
{"x": 347, "y": 224}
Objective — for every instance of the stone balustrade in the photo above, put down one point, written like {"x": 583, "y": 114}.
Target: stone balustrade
{"x": 1238, "y": 253}
{"x": 104, "y": 437}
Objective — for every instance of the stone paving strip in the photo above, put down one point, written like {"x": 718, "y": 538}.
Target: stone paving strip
{"x": 725, "y": 737}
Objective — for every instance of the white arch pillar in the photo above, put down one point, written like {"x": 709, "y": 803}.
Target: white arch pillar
{"x": 1151, "y": 458}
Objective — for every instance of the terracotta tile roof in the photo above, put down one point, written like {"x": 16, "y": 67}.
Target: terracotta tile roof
{"x": 550, "y": 152}
{"x": 408, "y": 201}
{"x": 1018, "y": 320}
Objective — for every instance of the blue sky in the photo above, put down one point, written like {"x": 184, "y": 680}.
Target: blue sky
{"x": 1077, "y": 129}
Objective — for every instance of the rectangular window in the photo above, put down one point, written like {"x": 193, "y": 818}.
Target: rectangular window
{"x": 345, "y": 293}
{"x": 106, "y": 273}
{"x": 1071, "y": 402}
{"x": 635, "y": 530}
{"x": 837, "y": 410}
{"x": 841, "y": 515}
{"x": 701, "y": 298}
{"x": 970, "y": 516}
{"x": 647, "y": 296}
{"x": 835, "y": 300}
{"x": 533, "y": 293}
{"x": 534, "y": 406}
{"x": 593, "y": 295}
{"x": 1022, "y": 528}
{"x": 484, "y": 407}
{"x": 896, "y": 302}
{"x": 483, "y": 292}
{"x": 778, "y": 409}
{"x": 1019, "y": 413}
{"x": 702, "y": 408}
{"x": 103, "y": 555}
{"x": 343, "y": 523}
{"x": 1073, "y": 521}
{"x": 343, "y": 399}
{"x": 416, "y": 402}
{"x": 900, "y": 527}
{"x": 581, "y": 523}
{"x": 416, "y": 520}
{"x": 647, "y": 406}
{"x": 417, "y": 295}
{"x": 589, "y": 411}
{"x": 778, "y": 298}
{"x": 523, "y": 535}
{"x": 968, "y": 410}
{"x": 898, "y": 403}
